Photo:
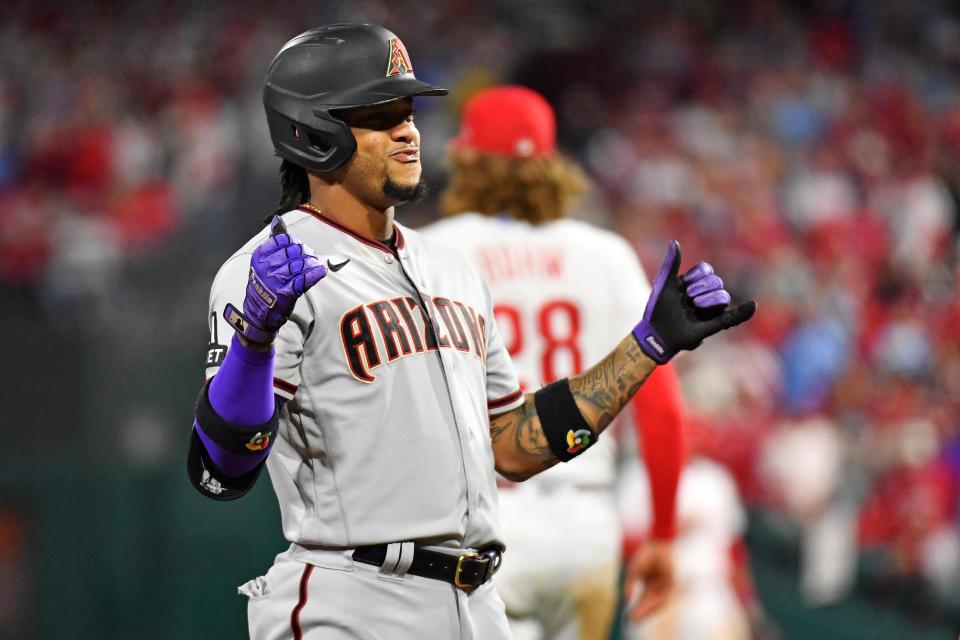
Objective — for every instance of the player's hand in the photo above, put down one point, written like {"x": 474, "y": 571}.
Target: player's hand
{"x": 683, "y": 310}
{"x": 281, "y": 270}
{"x": 651, "y": 571}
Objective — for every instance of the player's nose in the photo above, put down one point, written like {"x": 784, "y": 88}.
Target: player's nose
{"x": 406, "y": 131}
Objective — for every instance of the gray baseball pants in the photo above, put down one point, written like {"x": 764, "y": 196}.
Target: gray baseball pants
{"x": 332, "y": 597}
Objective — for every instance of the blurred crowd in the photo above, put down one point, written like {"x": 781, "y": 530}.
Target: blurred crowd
{"x": 815, "y": 159}
{"x": 812, "y": 153}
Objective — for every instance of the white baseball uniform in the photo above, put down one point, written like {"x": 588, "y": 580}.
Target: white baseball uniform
{"x": 384, "y": 438}
{"x": 565, "y": 294}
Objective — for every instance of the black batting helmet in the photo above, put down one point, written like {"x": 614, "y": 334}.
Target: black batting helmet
{"x": 334, "y": 67}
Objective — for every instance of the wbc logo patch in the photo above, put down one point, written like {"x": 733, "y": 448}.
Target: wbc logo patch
{"x": 578, "y": 440}
{"x": 398, "y": 61}
{"x": 258, "y": 441}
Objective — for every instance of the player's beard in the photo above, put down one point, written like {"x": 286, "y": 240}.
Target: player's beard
{"x": 400, "y": 193}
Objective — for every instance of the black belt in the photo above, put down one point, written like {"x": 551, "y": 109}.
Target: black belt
{"x": 466, "y": 571}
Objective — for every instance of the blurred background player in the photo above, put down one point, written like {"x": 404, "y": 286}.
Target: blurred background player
{"x": 713, "y": 590}
{"x": 560, "y": 292}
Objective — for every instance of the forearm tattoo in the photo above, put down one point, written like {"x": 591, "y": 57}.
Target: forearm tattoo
{"x": 603, "y": 390}
{"x": 600, "y": 393}
{"x": 520, "y": 429}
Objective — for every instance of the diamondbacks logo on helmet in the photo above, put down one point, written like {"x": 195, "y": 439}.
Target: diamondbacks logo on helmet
{"x": 398, "y": 60}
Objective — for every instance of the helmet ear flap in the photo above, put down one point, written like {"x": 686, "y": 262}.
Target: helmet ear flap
{"x": 332, "y": 135}
{"x": 324, "y": 145}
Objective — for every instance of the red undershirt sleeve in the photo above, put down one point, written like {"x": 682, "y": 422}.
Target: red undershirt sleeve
{"x": 658, "y": 415}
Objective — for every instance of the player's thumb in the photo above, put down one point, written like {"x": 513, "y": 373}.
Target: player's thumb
{"x": 731, "y": 317}
{"x": 671, "y": 262}
{"x": 670, "y": 266}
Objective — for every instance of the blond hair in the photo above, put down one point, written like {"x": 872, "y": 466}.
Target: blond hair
{"x": 536, "y": 190}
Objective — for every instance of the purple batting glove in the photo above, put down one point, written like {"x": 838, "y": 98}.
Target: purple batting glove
{"x": 706, "y": 289}
{"x": 681, "y": 312}
{"x": 281, "y": 270}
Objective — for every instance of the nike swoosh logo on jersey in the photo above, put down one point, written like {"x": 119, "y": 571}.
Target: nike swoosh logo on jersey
{"x": 338, "y": 266}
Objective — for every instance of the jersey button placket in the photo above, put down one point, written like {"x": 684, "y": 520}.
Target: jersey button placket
{"x": 468, "y": 445}
{"x": 465, "y": 442}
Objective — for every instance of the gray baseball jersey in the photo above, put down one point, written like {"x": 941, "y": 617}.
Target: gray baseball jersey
{"x": 391, "y": 366}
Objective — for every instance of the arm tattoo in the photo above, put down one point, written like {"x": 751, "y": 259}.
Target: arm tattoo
{"x": 520, "y": 430}
{"x": 520, "y": 446}
{"x": 602, "y": 391}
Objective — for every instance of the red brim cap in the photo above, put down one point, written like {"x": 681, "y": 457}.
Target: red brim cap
{"x": 508, "y": 120}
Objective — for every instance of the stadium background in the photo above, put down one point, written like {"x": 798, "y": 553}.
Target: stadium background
{"x": 809, "y": 149}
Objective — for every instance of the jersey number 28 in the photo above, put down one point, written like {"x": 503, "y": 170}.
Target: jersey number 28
{"x": 558, "y": 324}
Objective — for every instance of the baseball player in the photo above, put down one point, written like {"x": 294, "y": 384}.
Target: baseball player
{"x": 711, "y": 524}
{"x": 373, "y": 382}
{"x": 563, "y": 293}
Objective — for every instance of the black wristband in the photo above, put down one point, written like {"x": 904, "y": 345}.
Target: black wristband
{"x": 249, "y": 440}
{"x": 567, "y": 432}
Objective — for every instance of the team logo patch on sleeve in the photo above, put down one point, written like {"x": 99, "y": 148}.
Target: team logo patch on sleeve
{"x": 398, "y": 61}
{"x": 578, "y": 440}
{"x": 258, "y": 441}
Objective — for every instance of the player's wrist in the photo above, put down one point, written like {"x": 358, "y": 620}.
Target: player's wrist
{"x": 247, "y": 329}
{"x": 255, "y": 347}
{"x": 651, "y": 343}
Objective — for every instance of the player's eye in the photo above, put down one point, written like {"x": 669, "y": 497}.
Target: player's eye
{"x": 376, "y": 119}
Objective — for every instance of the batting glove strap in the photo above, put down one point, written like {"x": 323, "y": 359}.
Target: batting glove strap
{"x": 246, "y": 328}
{"x": 651, "y": 343}
{"x": 245, "y": 440}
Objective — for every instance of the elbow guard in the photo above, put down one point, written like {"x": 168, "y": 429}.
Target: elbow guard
{"x": 567, "y": 432}
{"x": 206, "y": 477}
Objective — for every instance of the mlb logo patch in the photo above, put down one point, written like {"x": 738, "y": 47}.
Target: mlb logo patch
{"x": 398, "y": 61}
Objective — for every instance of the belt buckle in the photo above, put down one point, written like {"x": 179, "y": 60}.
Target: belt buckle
{"x": 456, "y": 577}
